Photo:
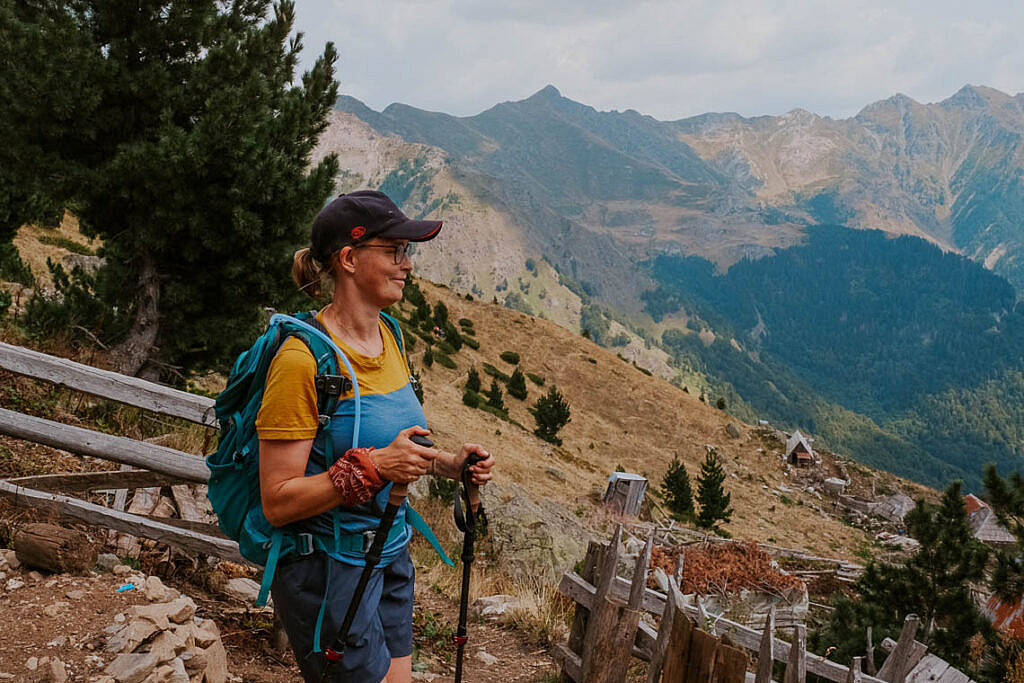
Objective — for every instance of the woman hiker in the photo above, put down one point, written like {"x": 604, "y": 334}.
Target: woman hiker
{"x": 360, "y": 247}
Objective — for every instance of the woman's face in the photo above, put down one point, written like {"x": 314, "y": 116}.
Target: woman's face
{"x": 377, "y": 275}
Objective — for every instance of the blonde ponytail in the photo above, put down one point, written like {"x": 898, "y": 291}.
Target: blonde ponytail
{"x": 308, "y": 275}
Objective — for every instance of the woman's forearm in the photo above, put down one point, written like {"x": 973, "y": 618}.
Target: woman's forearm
{"x": 291, "y": 500}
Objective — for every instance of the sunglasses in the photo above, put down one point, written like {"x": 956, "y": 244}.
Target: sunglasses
{"x": 400, "y": 251}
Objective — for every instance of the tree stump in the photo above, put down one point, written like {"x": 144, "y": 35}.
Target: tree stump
{"x": 55, "y": 548}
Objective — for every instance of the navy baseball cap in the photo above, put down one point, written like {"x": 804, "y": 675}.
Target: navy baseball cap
{"x": 359, "y": 216}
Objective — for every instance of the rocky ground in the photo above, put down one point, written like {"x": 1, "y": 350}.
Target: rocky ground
{"x": 116, "y": 624}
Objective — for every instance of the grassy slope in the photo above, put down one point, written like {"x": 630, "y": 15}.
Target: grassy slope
{"x": 620, "y": 416}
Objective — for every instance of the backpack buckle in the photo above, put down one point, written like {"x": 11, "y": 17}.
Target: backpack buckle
{"x": 322, "y": 420}
{"x": 332, "y": 385}
{"x": 306, "y": 539}
{"x": 368, "y": 537}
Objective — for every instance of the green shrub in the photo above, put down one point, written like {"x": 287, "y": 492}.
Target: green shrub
{"x": 409, "y": 340}
{"x": 444, "y": 346}
{"x": 495, "y": 372}
{"x": 444, "y": 359}
{"x": 494, "y": 396}
{"x": 12, "y": 268}
{"x": 517, "y": 385}
{"x": 443, "y": 489}
{"x": 465, "y": 322}
{"x": 65, "y": 243}
{"x": 536, "y": 379}
{"x": 452, "y": 336}
{"x": 510, "y": 357}
{"x": 428, "y": 357}
{"x": 471, "y": 398}
{"x": 471, "y": 343}
{"x": 73, "y": 312}
{"x": 5, "y": 301}
{"x": 473, "y": 380}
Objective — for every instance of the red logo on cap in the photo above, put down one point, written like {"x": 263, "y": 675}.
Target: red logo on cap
{"x": 357, "y": 232}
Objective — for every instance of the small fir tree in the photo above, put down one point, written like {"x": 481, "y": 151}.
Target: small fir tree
{"x": 473, "y": 380}
{"x": 551, "y": 412}
{"x": 440, "y": 314}
{"x": 452, "y": 336}
{"x": 471, "y": 398}
{"x": 678, "y": 490}
{"x": 428, "y": 357}
{"x": 713, "y": 499}
{"x": 494, "y": 396}
{"x": 517, "y": 385}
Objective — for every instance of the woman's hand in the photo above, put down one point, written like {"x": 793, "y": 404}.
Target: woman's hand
{"x": 481, "y": 471}
{"x": 403, "y": 461}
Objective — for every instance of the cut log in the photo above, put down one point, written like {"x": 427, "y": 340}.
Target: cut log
{"x": 55, "y": 549}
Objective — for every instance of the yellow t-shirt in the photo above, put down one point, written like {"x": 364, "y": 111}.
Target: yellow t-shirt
{"x": 289, "y": 401}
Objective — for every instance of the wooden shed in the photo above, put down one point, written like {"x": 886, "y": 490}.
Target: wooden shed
{"x": 625, "y": 492}
{"x": 799, "y": 451}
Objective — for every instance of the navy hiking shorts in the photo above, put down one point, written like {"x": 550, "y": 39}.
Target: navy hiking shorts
{"x": 383, "y": 625}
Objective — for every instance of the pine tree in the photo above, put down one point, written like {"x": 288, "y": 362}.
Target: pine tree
{"x": 713, "y": 499}
{"x": 191, "y": 163}
{"x": 452, "y": 336}
{"x": 517, "y": 384}
{"x": 473, "y": 380}
{"x": 678, "y": 490}
{"x": 1007, "y": 499}
{"x": 934, "y": 584}
{"x": 440, "y": 314}
{"x": 494, "y": 396}
{"x": 551, "y": 412}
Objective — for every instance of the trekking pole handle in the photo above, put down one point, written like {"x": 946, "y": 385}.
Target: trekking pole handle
{"x": 472, "y": 490}
{"x": 399, "y": 492}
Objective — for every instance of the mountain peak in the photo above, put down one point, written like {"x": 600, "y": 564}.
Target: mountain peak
{"x": 548, "y": 92}
{"x": 976, "y": 96}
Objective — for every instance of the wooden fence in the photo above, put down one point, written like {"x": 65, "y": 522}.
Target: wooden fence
{"x": 591, "y": 654}
{"x": 159, "y": 465}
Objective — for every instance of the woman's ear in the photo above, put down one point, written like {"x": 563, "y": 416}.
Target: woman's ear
{"x": 346, "y": 259}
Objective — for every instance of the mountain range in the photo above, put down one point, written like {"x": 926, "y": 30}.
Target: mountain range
{"x": 696, "y": 245}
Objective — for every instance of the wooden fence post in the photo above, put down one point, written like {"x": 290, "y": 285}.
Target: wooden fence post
{"x": 898, "y": 664}
{"x": 607, "y": 651}
{"x": 872, "y": 669}
{"x": 855, "y": 675}
{"x": 796, "y": 667}
{"x": 660, "y": 648}
{"x": 677, "y": 656}
{"x": 579, "y": 622}
{"x": 766, "y": 655}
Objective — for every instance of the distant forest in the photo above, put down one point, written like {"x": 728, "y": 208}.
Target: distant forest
{"x": 927, "y": 344}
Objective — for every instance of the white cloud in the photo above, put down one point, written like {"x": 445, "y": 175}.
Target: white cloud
{"x": 667, "y": 58}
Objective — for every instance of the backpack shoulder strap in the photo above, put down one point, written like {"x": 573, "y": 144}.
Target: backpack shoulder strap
{"x": 396, "y": 332}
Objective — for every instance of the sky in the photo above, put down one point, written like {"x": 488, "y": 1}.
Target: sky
{"x": 666, "y": 58}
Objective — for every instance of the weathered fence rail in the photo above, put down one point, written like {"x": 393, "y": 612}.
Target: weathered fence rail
{"x": 158, "y": 465}
{"x": 587, "y": 654}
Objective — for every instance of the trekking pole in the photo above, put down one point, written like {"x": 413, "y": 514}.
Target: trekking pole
{"x": 466, "y": 521}
{"x": 396, "y": 497}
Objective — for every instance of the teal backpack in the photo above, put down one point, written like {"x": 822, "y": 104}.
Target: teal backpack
{"x": 234, "y": 486}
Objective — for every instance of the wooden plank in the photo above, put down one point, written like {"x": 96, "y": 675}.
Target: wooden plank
{"x": 897, "y": 664}
{"x": 677, "y": 656}
{"x": 796, "y": 664}
{"x": 701, "y": 666}
{"x": 122, "y": 521}
{"x": 930, "y": 668}
{"x": 206, "y": 528}
{"x": 575, "y": 588}
{"x": 730, "y": 665}
{"x": 766, "y": 653}
{"x": 111, "y": 480}
{"x": 119, "y": 449}
{"x": 131, "y": 391}
{"x": 953, "y": 675}
{"x": 189, "y": 507}
{"x": 572, "y": 665}
{"x": 660, "y": 648}
{"x": 855, "y": 672}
